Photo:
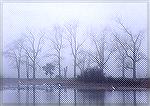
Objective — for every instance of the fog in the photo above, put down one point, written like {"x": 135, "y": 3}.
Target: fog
{"x": 19, "y": 18}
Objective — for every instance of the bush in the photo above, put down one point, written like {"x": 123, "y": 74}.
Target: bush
{"x": 94, "y": 74}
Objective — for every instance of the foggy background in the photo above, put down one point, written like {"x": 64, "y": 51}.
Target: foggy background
{"x": 18, "y": 18}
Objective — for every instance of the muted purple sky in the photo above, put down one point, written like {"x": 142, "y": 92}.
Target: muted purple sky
{"x": 18, "y": 17}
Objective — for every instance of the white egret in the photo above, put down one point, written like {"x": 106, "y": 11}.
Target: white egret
{"x": 59, "y": 85}
{"x": 113, "y": 87}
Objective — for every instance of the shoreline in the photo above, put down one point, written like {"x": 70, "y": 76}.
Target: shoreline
{"x": 69, "y": 83}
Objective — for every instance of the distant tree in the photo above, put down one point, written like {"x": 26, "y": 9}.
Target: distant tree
{"x": 93, "y": 74}
{"x": 27, "y": 66}
{"x": 74, "y": 44}
{"x": 98, "y": 55}
{"x": 57, "y": 45}
{"x": 32, "y": 46}
{"x": 83, "y": 61}
{"x": 15, "y": 53}
{"x": 131, "y": 47}
{"x": 65, "y": 71}
{"x": 121, "y": 59}
{"x": 49, "y": 68}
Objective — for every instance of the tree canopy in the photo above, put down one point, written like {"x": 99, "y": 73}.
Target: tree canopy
{"x": 49, "y": 68}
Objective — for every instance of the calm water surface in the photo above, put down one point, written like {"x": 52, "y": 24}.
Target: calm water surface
{"x": 60, "y": 95}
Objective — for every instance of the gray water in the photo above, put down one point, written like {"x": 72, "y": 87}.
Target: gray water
{"x": 61, "y": 95}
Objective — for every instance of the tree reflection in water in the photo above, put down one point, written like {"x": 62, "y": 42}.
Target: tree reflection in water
{"x": 93, "y": 96}
{"x": 18, "y": 94}
{"x": 123, "y": 96}
{"x": 134, "y": 98}
{"x": 32, "y": 95}
{"x": 27, "y": 95}
{"x": 75, "y": 97}
{"x": 59, "y": 95}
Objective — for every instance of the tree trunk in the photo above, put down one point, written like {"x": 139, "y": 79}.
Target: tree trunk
{"x": 134, "y": 70}
{"x": 18, "y": 69}
{"x": 27, "y": 67}
{"x": 18, "y": 73}
{"x": 65, "y": 72}
{"x": 102, "y": 53}
{"x": 75, "y": 67}
{"x": 33, "y": 69}
{"x": 134, "y": 62}
{"x": 123, "y": 68}
{"x": 59, "y": 65}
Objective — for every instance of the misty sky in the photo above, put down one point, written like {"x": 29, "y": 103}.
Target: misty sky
{"x": 20, "y": 17}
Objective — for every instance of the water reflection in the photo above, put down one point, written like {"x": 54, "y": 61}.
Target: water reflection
{"x": 134, "y": 97}
{"x": 59, "y": 95}
{"x": 123, "y": 97}
{"x": 75, "y": 97}
{"x": 18, "y": 94}
{"x": 27, "y": 95}
{"x": 54, "y": 94}
{"x": 92, "y": 96}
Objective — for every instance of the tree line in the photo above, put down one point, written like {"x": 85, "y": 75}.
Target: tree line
{"x": 25, "y": 53}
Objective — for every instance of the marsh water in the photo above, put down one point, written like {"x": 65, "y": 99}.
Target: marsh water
{"x": 41, "y": 94}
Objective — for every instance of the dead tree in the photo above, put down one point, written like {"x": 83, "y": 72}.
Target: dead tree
{"x": 32, "y": 47}
{"x": 83, "y": 61}
{"x": 57, "y": 45}
{"x": 15, "y": 54}
{"x": 73, "y": 42}
{"x": 121, "y": 58}
{"x": 65, "y": 72}
{"x": 131, "y": 47}
{"x": 27, "y": 66}
{"x": 98, "y": 56}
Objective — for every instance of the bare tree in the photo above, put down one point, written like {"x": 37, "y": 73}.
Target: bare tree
{"x": 15, "y": 54}
{"x": 65, "y": 72}
{"x": 73, "y": 42}
{"x": 27, "y": 66}
{"x": 121, "y": 59}
{"x": 57, "y": 46}
{"x": 131, "y": 47}
{"x": 32, "y": 47}
{"x": 98, "y": 55}
{"x": 83, "y": 61}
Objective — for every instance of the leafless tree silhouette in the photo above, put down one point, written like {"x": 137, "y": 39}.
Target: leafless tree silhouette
{"x": 83, "y": 61}
{"x": 32, "y": 47}
{"x": 73, "y": 42}
{"x": 15, "y": 53}
{"x": 57, "y": 45}
{"x": 98, "y": 56}
{"x": 131, "y": 47}
{"x": 121, "y": 59}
